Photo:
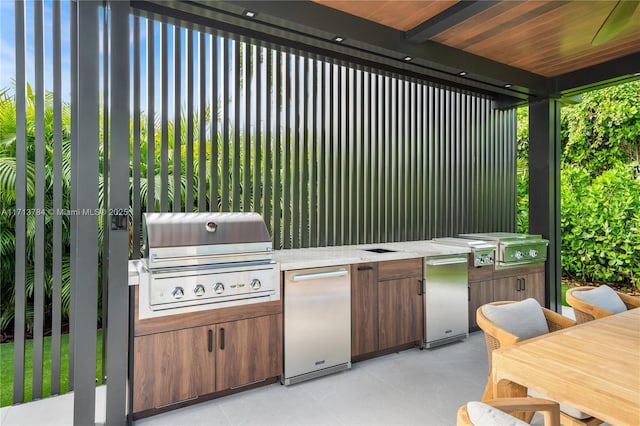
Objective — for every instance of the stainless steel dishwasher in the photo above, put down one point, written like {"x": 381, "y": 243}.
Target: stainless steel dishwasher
{"x": 317, "y": 322}
{"x": 446, "y": 300}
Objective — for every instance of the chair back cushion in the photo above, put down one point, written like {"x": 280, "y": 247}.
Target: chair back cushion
{"x": 604, "y": 297}
{"x": 482, "y": 414}
{"x": 524, "y": 319}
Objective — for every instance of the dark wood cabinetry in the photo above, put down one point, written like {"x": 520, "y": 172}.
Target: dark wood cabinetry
{"x": 489, "y": 285}
{"x": 400, "y": 312}
{"x": 248, "y": 351}
{"x": 182, "y": 358}
{"x": 480, "y": 293}
{"x": 166, "y": 373}
{"x": 519, "y": 283}
{"x": 386, "y": 306}
{"x": 364, "y": 308}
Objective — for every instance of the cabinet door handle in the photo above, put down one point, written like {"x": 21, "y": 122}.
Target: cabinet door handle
{"x": 222, "y": 338}
{"x": 517, "y": 284}
{"x": 210, "y": 340}
{"x": 420, "y": 287}
{"x": 524, "y": 284}
{"x": 365, "y": 268}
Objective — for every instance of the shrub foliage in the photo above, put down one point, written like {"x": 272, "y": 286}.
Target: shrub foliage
{"x": 599, "y": 222}
{"x": 600, "y": 196}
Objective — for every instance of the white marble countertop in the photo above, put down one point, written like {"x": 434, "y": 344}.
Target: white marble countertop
{"x": 318, "y": 257}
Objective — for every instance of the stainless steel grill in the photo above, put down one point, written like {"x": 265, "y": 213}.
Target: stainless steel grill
{"x": 514, "y": 249}
{"x": 482, "y": 251}
{"x": 198, "y": 261}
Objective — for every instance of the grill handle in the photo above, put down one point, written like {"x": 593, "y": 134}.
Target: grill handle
{"x": 319, "y": 275}
{"x": 158, "y": 259}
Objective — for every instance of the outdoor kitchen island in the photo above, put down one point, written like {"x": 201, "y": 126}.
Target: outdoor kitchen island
{"x": 186, "y": 358}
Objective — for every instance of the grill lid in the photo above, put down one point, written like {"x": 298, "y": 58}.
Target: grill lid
{"x": 504, "y": 237}
{"x": 199, "y": 239}
{"x": 463, "y": 242}
{"x": 203, "y": 229}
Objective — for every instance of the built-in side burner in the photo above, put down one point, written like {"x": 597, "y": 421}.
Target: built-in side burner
{"x": 483, "y": 252}
{"x": 514, "y": 249}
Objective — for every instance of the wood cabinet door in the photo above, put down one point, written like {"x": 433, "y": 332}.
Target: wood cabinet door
{"x": 364, "y": 309}
{"x": 400, "y": 312}
{"x": 534, "y": 286}
{"x": 480, "y": 293}
{"x": 506, "y": 288}
{"x": 172, "y": 367}
{"x": 248, "y": 351}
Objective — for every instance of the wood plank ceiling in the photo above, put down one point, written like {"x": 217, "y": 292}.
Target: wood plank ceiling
{"x": 549, "y": 38}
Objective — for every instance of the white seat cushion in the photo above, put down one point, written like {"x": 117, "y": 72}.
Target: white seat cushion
{"x": 567, "y": 409}
{"x": 604, "y": 297}
{"x": 482, "y": 414}
{"x": 524, "y": 319}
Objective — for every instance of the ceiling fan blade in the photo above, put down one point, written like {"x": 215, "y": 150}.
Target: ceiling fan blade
{"x": 615, "y": 22}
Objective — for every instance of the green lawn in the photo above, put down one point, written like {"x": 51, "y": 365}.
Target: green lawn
{"x": 6, "y": 368}
{"x": 565, "y": 287}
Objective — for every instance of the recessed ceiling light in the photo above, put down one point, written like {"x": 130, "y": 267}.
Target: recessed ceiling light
{"x": 407, "y": 58}
{"x": 249, "y": 13}
{"x": 507, "y": 85}
{"x": 462, "y": 73}
{"x": 338, "y": 39}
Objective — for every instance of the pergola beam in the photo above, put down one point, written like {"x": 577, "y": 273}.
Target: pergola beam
{"x": 448, "y": 18}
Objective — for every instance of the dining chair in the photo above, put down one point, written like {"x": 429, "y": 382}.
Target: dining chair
{"x": 505, "y": 323}
{"x": 591, "y": 303}
{"x": 496, "y": 412}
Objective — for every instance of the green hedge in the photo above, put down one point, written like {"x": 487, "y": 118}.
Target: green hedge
{"x": 599, "y": 221}
{"x": 600, "y": 213}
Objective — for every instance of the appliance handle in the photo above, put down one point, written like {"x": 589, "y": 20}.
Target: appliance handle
{"x": 451, "y": 261}
{"x": 319, "y": 275}
{"x": 158, "y": 259}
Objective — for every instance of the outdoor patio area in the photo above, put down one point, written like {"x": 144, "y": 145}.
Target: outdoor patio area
{"x": 314, "y": 212}
{"x": 406, "y": 388}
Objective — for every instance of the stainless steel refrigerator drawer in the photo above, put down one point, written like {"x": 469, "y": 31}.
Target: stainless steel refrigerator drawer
{"x": 446, "y": 300}
{"x": 317, "y": 322}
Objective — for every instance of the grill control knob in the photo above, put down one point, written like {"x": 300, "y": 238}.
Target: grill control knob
{"x": 255, "y": 284}
{"x": 533, "y": 253}
{"x": 218, "y": 288}
{"x": 518, "y": 254}
{"x": 177, "y": 292}
{"x": 199, "y": 290}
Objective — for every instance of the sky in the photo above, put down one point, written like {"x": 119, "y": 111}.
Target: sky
{"x": 7, "y": 44}
{"x": 8, "y": 54}
{"x": 8, "y": 57}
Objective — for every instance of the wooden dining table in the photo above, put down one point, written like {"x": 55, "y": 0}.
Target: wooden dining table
{"x": 594, "y": 367}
